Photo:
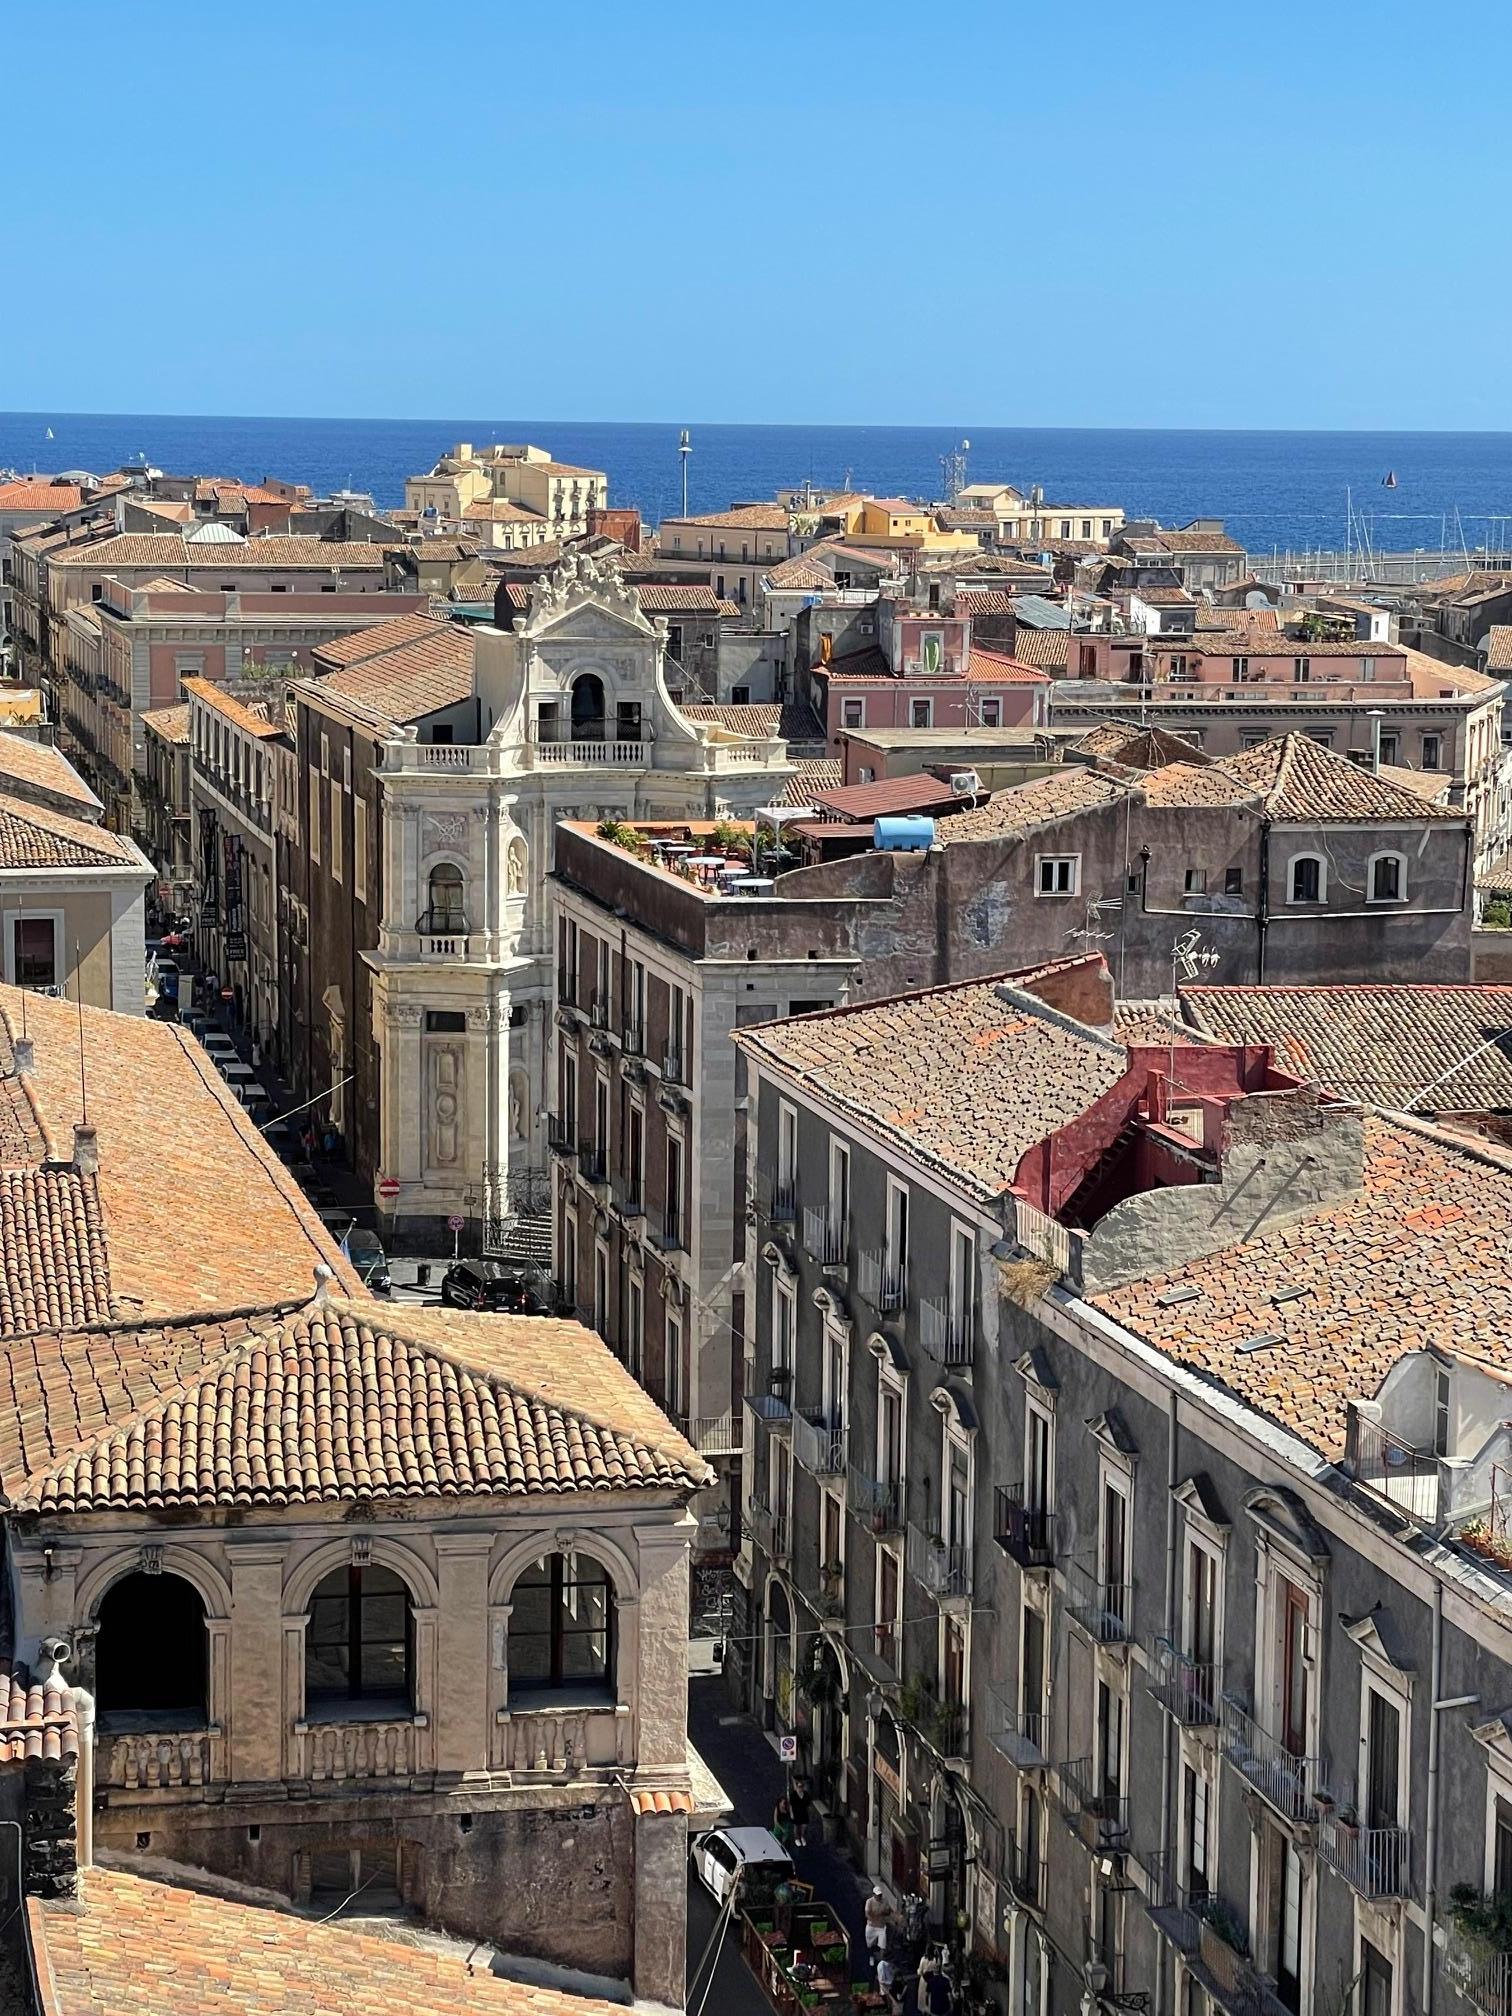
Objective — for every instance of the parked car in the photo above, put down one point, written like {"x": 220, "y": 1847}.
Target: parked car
{"x": 365, "y": 1251}
{"x": 752, "y": 1854}
{"x": 513, "y": 1285}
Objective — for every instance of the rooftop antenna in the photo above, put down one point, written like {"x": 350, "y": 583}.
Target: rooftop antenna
{"x": 684, "y": 450}
{"x": 953, "y": 472}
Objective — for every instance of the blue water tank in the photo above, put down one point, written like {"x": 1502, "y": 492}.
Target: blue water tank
{"x": 902, "y": 836}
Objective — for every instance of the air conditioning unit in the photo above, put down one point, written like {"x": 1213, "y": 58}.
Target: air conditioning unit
{"x": 965, "y": 783}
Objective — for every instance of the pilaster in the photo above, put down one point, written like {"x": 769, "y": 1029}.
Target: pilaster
{"x": 256, "y": 1717}
{"x": 460, "y": 1718}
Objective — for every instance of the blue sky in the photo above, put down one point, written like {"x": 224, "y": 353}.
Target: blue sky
{"x": 1010, "y": 214}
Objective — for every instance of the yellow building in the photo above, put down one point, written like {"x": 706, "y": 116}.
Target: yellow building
{"x": 894, "y": 518}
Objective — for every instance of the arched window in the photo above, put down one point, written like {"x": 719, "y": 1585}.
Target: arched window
{"x": 1388, "y": 878}
{"x": 562, "y": 1628}
{"x": 446, "y": 912}
{"x": 359, "y": 1642}
{"x": 588, "y": 708}
{"x": 152, "y": 1652}
{"x": 1307, "y": 879}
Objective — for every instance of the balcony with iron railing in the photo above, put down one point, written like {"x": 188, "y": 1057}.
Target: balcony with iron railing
{"x": 948, "y": 1332}
{"x": 1414, "y": 1480}
{"x": 876, "y": 1501}
{"x": 1026, "y": 1533}
{"x": 593, "y": 1164}
{"x": 1187, "y": 1688}
{"x": 599, "y": 1009}
{"x": 943, "y": 1567}
{"x": 674, "y": 1065}
{"x": 561, "y": 1133}
{"x": 819, "y": 1441}
{"x": 1483, "y": 1978}
{"x": 630, "y": 1194}
{"x": 771, "y": 1405}
{"x": 882, "y": 1281}
{"x": 633, "y": 1034}
{"x": 1285, "y": 1780}
{"x": 1097, "y": 1810}
{"x": 825, "y": 1238}
{"x": 1175, "y": 1906}
{"x": 769, "y": 1528}
{"x": 1102, "y": 1609}
{"x": 1375, "y": 1861}
{"x": 1022, "y": 1735}
{"x": 777, "y": 1198}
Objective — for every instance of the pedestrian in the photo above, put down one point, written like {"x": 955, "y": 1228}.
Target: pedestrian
{"x": 935, "y": 1998}
{"x": 879, "y": 1918}
{"x": 782, "y": 1824}
{"x": 801, "y": 1802}
{"x": 887, "y": 1985}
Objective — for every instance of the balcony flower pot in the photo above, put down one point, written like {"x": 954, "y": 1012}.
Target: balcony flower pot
{"x": 1223, "y": 1947}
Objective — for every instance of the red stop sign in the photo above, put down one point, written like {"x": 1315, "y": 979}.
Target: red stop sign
{"x": 388, "y": 1186}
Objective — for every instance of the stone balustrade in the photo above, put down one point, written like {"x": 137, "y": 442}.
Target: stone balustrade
{"x": 159, "y": 1760}
{"x": 564, "y": 1742}
{"x": 339, "y": 1752}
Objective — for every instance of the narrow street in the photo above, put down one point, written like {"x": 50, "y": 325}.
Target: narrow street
{"x": 737, "y": 1751}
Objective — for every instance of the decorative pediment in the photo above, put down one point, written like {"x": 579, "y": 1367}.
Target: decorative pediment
{"x": 832, "y": 1308}
{"x": 1201, "y": 1503}
{"x": 1034, "y": 1369}
{"x": 1495, "y": 1735}
{"x": 956, "y": 1405}
{"x": 1379, "y": 1639}
{"x": 1282, "y": 1515}
{"x": 779, "y": 1261}
{"x": 582, "y": 590}
{"x": 1112, "y": 1431}
{"x": 888, "y": 1351}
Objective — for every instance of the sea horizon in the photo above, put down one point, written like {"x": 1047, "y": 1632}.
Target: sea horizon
{"x": 1286, "y": 489}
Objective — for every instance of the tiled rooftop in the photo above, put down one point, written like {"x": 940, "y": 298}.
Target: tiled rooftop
{"x": 1065, "y": 792}
{"x": 999, "y": 669}
{"x": 813, "y": 775}
{"x": 1415, "y": 1259}
{"x": 35, "y": 1721}
{"x": 32, "y": 494}
{"x": 132, "y": 1946}
{"x": 968, "y": 1077}
{"x": 794, "y": 720}
{"x": 171, "y": 549}
{"x": 41, "y": 767}
{"x": 917, "y": 792}
{"x": 249, "y": 715}
{"x": 334, "y": 652}
{"x": 35, "y": 836}
{"x": 743, "y": 518}
{"x": 197, "y": 1213}
{"x": 1048, "y": 649}
{"x": 172, "y": 723}
{"x": 1385, "y": 1044}
{"x": 1298, "y": 779}
{"x": 1497, "y": 644}
{"x": 350, "y": 1401}
{"x": 429, "y": 670}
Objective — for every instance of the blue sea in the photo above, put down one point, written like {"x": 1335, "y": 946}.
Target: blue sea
{"x": 1278, "y": 490}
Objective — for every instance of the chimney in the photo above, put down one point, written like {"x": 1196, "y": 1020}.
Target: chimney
{"x": 1376, "y": 718}
{"x": 26, "y": 1055}
{"x": 86, "y": 1155}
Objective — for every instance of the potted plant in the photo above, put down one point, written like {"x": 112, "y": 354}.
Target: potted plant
{"x": 1484, "y": 1923}
{"x": 1223, "y": 1942}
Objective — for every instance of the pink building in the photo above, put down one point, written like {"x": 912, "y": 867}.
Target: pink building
{"x": 1242, "y": 659}
{"x": 924, "y": 671}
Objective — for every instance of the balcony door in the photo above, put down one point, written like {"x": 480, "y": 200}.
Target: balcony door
{"x": 1036, "y": 1461}
{"x": 1383, "y": 1736}
{"x": 1294, "y": 1674}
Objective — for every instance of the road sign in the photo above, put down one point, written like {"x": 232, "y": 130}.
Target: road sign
{"x": 787, "y": 1749}
{"x": 456, "y": 1223}
{"x": 388, "y": 1186}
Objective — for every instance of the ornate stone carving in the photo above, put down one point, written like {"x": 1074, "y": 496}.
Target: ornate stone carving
{"x": 443, "y": 829}
{"x": 519, "y": 1106}
{"x": 362, "y": 1553}
{"x": 516, "y": 866}
{"x": 479, "y": 1018}
{"x": 151, "y": 1559}
{"x": 405, "y": 1014}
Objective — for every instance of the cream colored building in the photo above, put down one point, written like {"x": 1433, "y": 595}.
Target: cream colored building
{"x": 558, "y": 496}
{"x": 72, "y": 905}
{"x": 575, "y": 722}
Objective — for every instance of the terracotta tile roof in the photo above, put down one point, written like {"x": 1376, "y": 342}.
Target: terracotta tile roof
{"x": 500, "y": 511}
{"x": 1195, "y": 786}
{"x": 170, "y": 549}
{"x": 135, "y": 1947}
{"x": 1185, "y": 541}
{"x": 1497, "y": 645}
{"x": 793, "y": 720}
{"x": 35, "y": 1721}
{"x": 172, "y": 723}
{"x": 674, "y": 598}
{"x": 373, "y": 641}
{"x": 968, "y": 1077}
{"x": 54, "y": 1259}
{"x": 1386, "y": 1044}
{"x": 1298, "y": 779}
{"x": 45, "y": 768}
{"x": 662, "y": 1802}
{"x": 983, "y": 602}
{"x": 998, "y": 669}
{"x": 1137, "y": 748}
{"x": 813, "y": 775}
{"x": 1048, "y": 649}
{"x": 27, "y": 494}
{"x": 1152, "y": 1022}
{"x": 1012, "y": 814}
{"x": 431, "y": 670}
{"x": 803, "y": 571}
{"x": 743, "y": 518}
{"x": 1416, "y": 1258}
{"x": 559, "y": 469}
{"x": 1434, "y": 785}
{"x": 864, "y": 667}
{"x": 346, "y": 1401}
{"x": 1432, "y": 679}
{"x": 1241, "y": 639}
{"x": 246, "y": 715}
{"x": 35, "y": 836}
{"x": 1164, "y": 598}
{"x": 198, "y": 1214}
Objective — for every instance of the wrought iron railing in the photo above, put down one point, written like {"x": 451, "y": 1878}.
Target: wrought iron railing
{"x": 1412, "y": 1479}
{"x": 1186, "y": 1688}
{"x": 1376, "y": 1861}
{"x": 1026, "y": 1533}
{"x": 1089, "y": 1798}
{"x": 882, "y": 1281}
{"x": 824, "y": 1237}
{"x": 947, "y": 1332}
{"x": 876, "y": 1501}
{"x": 1289, "y": 1782}
{"x": 1102, "y": 1609}
{"x": 944, "y": 1567}
{"x": 819, "y": 1441}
